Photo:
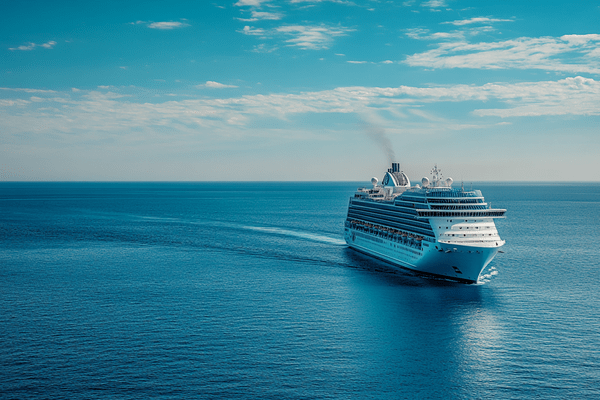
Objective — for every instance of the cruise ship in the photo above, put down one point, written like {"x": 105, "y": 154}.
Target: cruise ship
{"x": 431, "y": 228}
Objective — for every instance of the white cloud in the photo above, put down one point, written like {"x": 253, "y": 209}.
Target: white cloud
{"x": 249, "y": 30}
{"x": 48, "y": 45}
{"x": 423, "y": 34}
{"x": 263, "y": 48}
{"x": 215, "y": 85}
{"x": 251, "y": 3}
{"x": 167, "y": 25}
{"x": 581, "y": 39}
{"x": 93, "y": 111}
{"x": 31, "y": 46}
{"x": 570, "y": 96}
{"x": 312, "y": 37}
{"x": 322, "y": 1}
{"x": 477, "y": 20}
{"x": 434, "y": 4}
{"x": 26, "y": 90}
{"x": 571, "y": 53}
{"x": 13, "y": 102}
{"x": 257, "y": 15}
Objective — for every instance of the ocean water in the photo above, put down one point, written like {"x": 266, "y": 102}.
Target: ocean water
{"x": 247, "y": 290}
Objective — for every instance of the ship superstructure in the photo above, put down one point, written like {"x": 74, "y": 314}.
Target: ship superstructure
{"x": 430, "y": 228}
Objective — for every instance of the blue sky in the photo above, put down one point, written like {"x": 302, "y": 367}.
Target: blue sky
{"x": 299, "y": 90}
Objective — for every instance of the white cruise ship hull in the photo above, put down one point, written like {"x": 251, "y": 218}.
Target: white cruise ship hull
{"x": 457, "y": 262}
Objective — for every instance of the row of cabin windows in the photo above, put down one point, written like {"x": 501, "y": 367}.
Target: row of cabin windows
{"x": 471, "y": 201}
{"x": 410, "y": 227}
{"x": 377, "y": 221}
{"x": 474, "y": 213}
{"x": 460, "y": 227}
{"x": 464, "y": 234}
{"x": 397, "y": 218}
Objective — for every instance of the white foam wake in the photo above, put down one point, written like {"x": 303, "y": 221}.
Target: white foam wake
{"x": 304, "y": 235}
{"x": 485, "y": 278}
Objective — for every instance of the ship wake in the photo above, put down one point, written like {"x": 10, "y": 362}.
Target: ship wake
{"x": 298, "y": 234}
{"x": 485, "y": 278}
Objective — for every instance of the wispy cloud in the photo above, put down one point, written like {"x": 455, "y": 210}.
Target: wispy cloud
{"x": 312, "y": 37}
{"x": 251, "y": 3}
{"x": 570, "y": 96}
{"x": 250, "y": 30}
{"x": 107, "y": 111}
{"x": 477, "y": 20}
{"x": 167, "y": 25}
{"x": 570, "y": 53}
{"x": 306, "y": 37}
{"x": 31, "y": 46}
{"x": 434, "y": 4}
{"x": 323, "y": 1}
{"x": 26, "y": 90}
{"x": 215, "y": 85}
{"x": 258, "y": 15}
{"x": 424, "y": 34}
{"x": 48, "y": 45}
{"x": 13, "y": 103}
{"x": 263, "y": 48}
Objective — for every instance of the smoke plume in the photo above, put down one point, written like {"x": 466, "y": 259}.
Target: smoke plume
{"x": 378, "y": 135}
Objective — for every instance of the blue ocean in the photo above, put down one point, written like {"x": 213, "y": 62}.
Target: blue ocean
{"x": 247, "y": 291}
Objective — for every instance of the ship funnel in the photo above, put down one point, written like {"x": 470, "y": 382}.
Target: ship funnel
{"x": 395, "y": 167}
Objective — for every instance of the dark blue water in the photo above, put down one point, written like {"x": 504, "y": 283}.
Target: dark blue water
{"x": 246, "y": 290}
